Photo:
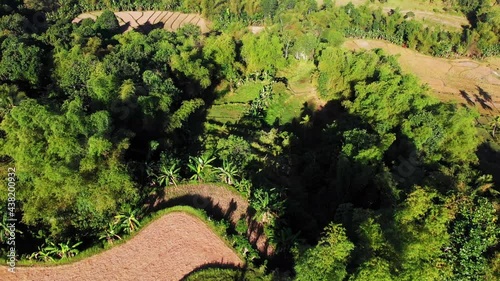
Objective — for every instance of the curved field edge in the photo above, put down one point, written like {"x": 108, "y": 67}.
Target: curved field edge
{"x": 226, "y": 274}
{"x": 146, "y": 222}
{"x": 219, "y": 200}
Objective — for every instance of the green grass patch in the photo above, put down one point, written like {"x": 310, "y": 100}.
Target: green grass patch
{"x": 285, "y": 107}
{"x": 244, "y": 94}
{"x": 224, "y": 113}
{"x": 219, "y": 274}
{"x": 299, "y": 72}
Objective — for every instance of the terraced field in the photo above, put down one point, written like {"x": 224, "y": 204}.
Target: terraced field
{"x": 169, "y": 248}
{"x": 471, "y": 82}
{"x": 168, "y": 20}
{"x": 219, "y": 201}
{"x": 425, "y": 13}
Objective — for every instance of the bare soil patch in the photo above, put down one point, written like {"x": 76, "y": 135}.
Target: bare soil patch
{"x": 146, "y": 16}
{"x": 168, "y": 249}
{"x": 470, "y": 82}
{"x": 423, "y": 12}
{"x": 179, "y": 21}
{"x": 135, "y": 19}
{"x": 256, "y": 29}
{"x": 453, "y": 21}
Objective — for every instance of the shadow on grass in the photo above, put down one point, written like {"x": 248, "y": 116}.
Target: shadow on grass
{"x": 200, "y": 202}
{"x": 214, "y": 270}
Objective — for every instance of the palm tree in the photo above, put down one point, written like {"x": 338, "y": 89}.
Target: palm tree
{"x": 228, "y": 172}
{"x": 168, "y": 176}
{"x": 128, "y": 221}
{"x": 495, "y": 124}
{"x": 200, "y": 166}
{"x": 306, "y": 121}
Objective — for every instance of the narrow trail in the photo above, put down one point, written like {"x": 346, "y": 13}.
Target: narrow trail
{"x": 167, "y": 249}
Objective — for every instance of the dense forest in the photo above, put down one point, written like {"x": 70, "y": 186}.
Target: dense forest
{"x": 379, "y": 181}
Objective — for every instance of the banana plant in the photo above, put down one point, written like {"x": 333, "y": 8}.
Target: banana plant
{"x": 200, "y": 166}
{"x": 62, "y": 250}
{"x": 169, "y": 175}
{"x": 494, "y": 124}
{"x": 267, "y": 205}
{"x": 128, "y": 221}
{"x": 149, "y": 170}
{"x": 485, "y": 184}
{"x": 228, "y": 172}
{"x": 42, "y": 255}
{"x": 111, "y": 233}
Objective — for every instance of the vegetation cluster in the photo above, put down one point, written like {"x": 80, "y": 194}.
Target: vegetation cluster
{"x": 370, "y": 178}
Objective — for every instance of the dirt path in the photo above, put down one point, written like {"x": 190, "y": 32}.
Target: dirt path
{"x": 168, "y": 20}
{"x": 219, "y": 202}
{"x": 474, "y": 83}
{"x": 167, "y": 249}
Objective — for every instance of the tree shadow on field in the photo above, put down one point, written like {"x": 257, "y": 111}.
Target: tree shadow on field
{"x": 147, "y": 27}
{"x": 123, "y": 28}
{"x": 217, "y": 212}
{"x": 467, "y": 98}
{"x": 485, "y": 96}
{"x": 482, "y": 102}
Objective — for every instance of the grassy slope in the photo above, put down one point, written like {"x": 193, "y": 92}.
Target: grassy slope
{"x": 230, "y": 107}
{"x": 286, "y": 103}
{"x": 217, "y": 274}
